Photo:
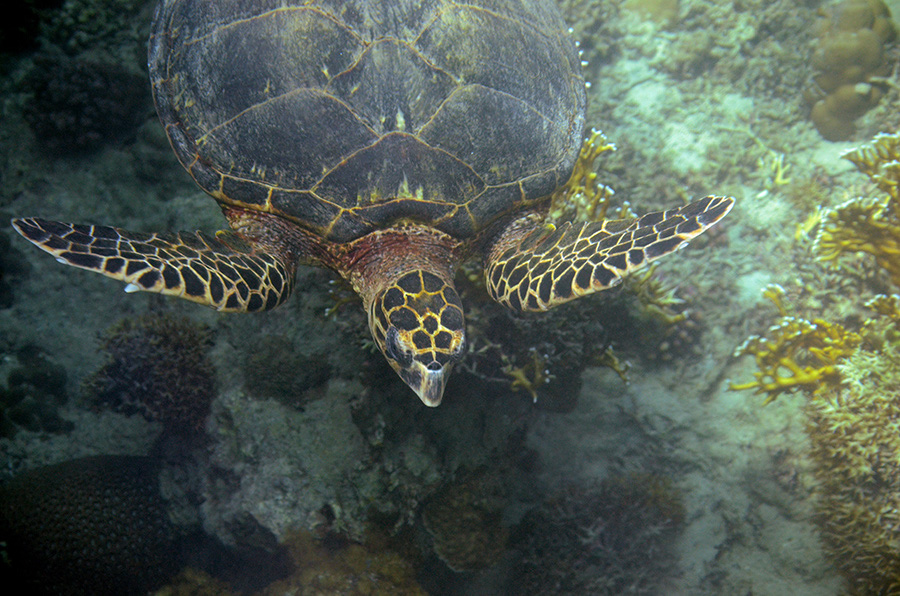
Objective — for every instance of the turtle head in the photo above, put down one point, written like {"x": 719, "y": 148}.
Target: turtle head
{"x": 417, "y": 323}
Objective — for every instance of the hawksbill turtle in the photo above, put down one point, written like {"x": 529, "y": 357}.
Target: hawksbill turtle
{"x": 389, "y": 141}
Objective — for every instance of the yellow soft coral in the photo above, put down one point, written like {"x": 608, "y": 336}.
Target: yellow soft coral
{"x": 880, "y": 161}
{"x": 797, "y": 354}
{"x": 869, "y": 225}
{"x": 583, "y": 198}
{"x": 530, "y": 377}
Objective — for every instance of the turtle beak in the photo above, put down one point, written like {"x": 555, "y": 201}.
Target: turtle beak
{"x": 428, "y": 384}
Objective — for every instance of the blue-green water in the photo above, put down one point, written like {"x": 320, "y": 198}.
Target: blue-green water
{"x": 278, "y": 453}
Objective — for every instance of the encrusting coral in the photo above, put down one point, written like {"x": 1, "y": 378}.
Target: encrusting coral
{"x": 851, "y": 381}
{"x": 850, "y": 65}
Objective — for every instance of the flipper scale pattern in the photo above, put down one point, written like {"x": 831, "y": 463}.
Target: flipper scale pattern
{"x": 222, "y": 272}
{"x": 548, "y": 268}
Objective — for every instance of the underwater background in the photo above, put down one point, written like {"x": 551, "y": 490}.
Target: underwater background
{"x": 725, "y": 422}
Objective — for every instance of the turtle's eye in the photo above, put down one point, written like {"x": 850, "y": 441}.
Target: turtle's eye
{"x": 393, "y": 348}
{"x": 461, "y": 349}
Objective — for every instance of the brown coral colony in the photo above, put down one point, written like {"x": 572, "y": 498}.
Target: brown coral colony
{"x": 849, "y": 61}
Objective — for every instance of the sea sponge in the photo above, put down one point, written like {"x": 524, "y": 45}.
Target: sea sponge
{"x": 849, "y": 59}
{"x": 94, "y": 526}
{"x": 156, "y": 365}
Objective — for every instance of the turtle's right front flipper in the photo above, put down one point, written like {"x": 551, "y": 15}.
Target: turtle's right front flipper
{"x": 223, "y": 272}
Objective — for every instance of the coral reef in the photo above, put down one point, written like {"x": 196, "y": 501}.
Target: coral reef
{"x": 797, "y": 354}
{"x": 848, "y": 374}
{"x": 544, "y": 357}
{"x": 118, "y": 28}
{"x": 850, "y": 65}
{"x": 324, "y": 568}
{"x": 79, "y": 105}
{"x": 540, "y": 355}
{"x": 95, "y": 526}
{"x": 464, "y": 521}
{"x": 868, "y": 224}
{"x": 855, "y": 435}
{"x": 34, "y": 391}
{"x": 12, "y": 265}
{"x": 613, "y": 539}
{"x": 278, "y": 369}
{"x": 156, "y": 365}
{"x": 663, "y": 12}
{"x": 19, "y": 34}
{"x": 583, "y": 197}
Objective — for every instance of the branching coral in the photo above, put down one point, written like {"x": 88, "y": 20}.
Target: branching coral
{"x": 852, "y": 384}
{"x": 853, "y": 421}
{"x": 657, "y": 298}
{"x": 612, "y": 539}
{"x": 880, "y": 161}
{"x": 796, "y": 354}
{"x": 157, "y": 366}
{"x": 855, "y": 437}
{"x": 869, "y": 225}
{"x": 529, "y": 377}
{"x": 583, "y": 197}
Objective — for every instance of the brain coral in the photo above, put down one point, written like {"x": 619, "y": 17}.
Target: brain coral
{"x": 95, "y": 526}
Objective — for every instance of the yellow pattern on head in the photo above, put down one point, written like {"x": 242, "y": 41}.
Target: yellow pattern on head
{"x": 417, "y": 322}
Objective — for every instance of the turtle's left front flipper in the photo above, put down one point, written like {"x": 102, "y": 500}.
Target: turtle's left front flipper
{"x": 534, "y": 270}
{"x": 223, "y": 272}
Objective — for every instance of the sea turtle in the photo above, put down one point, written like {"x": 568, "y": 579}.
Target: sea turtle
{"x": 388, "y": 141}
